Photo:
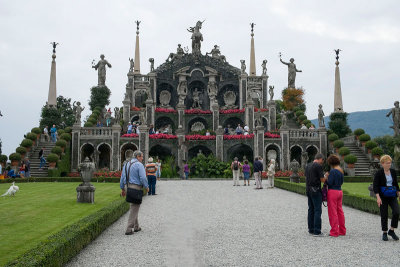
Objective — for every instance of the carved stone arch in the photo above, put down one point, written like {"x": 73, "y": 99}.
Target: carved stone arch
{"x": 311, "y": 150}
{"x": 278, "y": 150}
{"x": 194, "y": 151}
{"x": 240, "y": 150}
{"x": 103, "y": 143}
{"x": 87, "y": 150}
{"x": 165, "y": 86}
{"x": 233, "y": 122}
{"x": 197, "y": 119}
{"x": 124, "y": 149}
{"x": 295, "y": 153}
{"x": 162, "y": 122}
{"x": 134, "y": 118}
{"x": 140, "y": 96}
{"x": 161, "y": 151}
{"x": 224, "y": 89}
{"x": 197, "y": 69}
{"x": 201, "y": 87}
{"x": 264, "y": 120}
{"x": 104, "y": 156}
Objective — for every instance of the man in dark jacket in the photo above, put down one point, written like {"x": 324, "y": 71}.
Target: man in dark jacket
{"x": 258, "y": 168}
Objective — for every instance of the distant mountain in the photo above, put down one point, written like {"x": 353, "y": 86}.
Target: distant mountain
{"x": 374, "y": 122}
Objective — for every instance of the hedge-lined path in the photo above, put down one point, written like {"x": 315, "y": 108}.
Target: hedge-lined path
{"x": 212, "y": 223}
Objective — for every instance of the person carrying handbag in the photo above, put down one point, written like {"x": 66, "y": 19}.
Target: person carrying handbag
{"x": 386, "y": 189}
{"x": 133, "y": 179}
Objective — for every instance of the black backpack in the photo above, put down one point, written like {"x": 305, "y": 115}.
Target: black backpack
{"x": 235, "y": 165}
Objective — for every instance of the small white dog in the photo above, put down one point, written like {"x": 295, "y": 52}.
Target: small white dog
{"x": 11, "y": 191}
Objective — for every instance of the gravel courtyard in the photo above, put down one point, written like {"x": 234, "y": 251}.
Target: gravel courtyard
{"x": 212, "y": 223}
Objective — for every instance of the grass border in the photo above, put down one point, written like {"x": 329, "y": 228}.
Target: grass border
{"x": 61, "y": 247}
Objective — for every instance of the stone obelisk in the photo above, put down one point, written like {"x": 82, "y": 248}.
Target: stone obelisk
{"x": 137, "y": 51}
{"x": 52, "y": 98}
{"x": 252, "y": 53}
{"x": 338, "y": 104}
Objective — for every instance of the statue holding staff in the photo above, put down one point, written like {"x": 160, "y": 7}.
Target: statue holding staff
{"x": 292, "y": 71}
{"x": 101, "y": 68}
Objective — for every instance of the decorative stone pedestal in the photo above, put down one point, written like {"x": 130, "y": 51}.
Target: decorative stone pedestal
{"x": 294, "y": 166}
{"x": 85, "y": 191}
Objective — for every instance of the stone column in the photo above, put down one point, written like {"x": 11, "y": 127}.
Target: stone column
{"x": 249, "y": 114}
{"x": 323, "y": 141}
{"x": 150, "y": 112}
{"x": 264, "y": 102}
{"x": 75, "y": 153}
{"x": 181, "y": 116}
{"x": 285, "y": 147}
{"x": 271, "y": 115}
{"x": 153, "y": 85}
{"x": 181, "y": 150}
{"x": 259, "y": 142}
{"x": 115, "y": 155}
{"x": 126, "y": 115}
{"x": 215, "y": 114}
{"x": 144, "y": 141}
{"x": 242, "y": 89}
{"x": 219, "y": 143}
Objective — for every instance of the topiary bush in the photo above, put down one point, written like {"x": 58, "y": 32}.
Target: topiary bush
{"x": 3, "y": 158}
{"x": 68, "y": 130}
{"x": 31, "y": 136}
{"x": 338, "y": 144}
{"x": 364, "y": 137}
{"x": 299, "y": 113}
{"x": 88, "y": 124}
{"x": 377, "y": 151}
{"x": 61, "y": 143}
{"x": 333, "y": 137}
{"x": 52, "y": 157}
{"x": 27, "y": 143}
{"x": 343, "y": 151}
{"x": 66, "y": 137}
{"x": 350, "y": 159}
{"x": 371, "y": 144}
{"x": 36, "y": 130}
{"x": 57, "y": 150}
{"x": 358, "y": 132}
{"x": 302, "y": 118}
{"x": 60, "y": 132}
{"x": 21, "y": 150}
{"x": 15, "y": 156}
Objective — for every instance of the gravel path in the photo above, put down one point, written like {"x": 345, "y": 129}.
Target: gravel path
{"x": 212, "y": 223}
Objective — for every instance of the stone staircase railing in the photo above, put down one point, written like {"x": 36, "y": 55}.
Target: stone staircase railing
{"x": 309, "y": 134}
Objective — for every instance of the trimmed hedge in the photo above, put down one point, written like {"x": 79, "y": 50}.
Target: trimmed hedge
{"x": 333, "y": 137}
{"x": 61, "y": 143}
{"x": 68, "y": 130}
{"x": 338, "y": 144}
{"x": 57, "y": 150}
{"x": 52, "y": 157}
{"x": 358, "y": 132}
{"x": 343, "y": 151}
{"x": 36, "y": 130}
{"x": 15, "y": 156}
{"x": 21, "y": 150}
{"x": 377, "y": 151}
{"x": 61, "y": 247}
{"x": 59, "y": 179}
{"x": 63, "y": 166}
{"x": 364, "y": 137}
{"x": 31, "y": 136}
{"x": 350, "y": 159}
{"x": 66, "y": 137}
{"x": 363, "y": 203}
{"x": 347, "y": 179}
{"x": 371, "y": 144}
{"x": 27, "y": 143}
{"x": 3, "y": 158}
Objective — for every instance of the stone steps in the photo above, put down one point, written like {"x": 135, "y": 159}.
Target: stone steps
{"x": 362, "y": 164}
{"x": 35, "y": 161}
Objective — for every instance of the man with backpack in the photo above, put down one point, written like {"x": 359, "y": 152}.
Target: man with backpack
{"x": 258, "y": 168}
{"x": 235, "y": 166}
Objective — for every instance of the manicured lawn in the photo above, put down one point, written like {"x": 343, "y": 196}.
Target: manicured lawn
{"x": 40, "y": 209}
{"x": 357, "y": 188}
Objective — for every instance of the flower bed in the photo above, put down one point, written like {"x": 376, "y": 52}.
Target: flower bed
{"x": 166, "y": 110}
{"x": 162, "y": 136}
{"x": 230, "y": 111}
{"x": 260, "y": 109}
{"x": 130, "y": 135}
{"x": 238, "y": 136}
{"x": 271, "y": 135}
{"x": 200, "y": 137}
{"x": 135, "y": 109}
{"x": 111, "y": 174}
{"x": 197, "y": 111}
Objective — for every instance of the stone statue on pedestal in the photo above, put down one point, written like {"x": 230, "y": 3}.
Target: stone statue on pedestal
{"x": 77, "y": 110}
{"x": 196, "y": 99}
{"x": 131, "y": 64}
{"x": 117, "y": 115}
{"x": 321, "y": 114}
{"x": 216, "y": 53}
{"x": 179, "y": 54}
{"x": 243, "y": 66}
{"x": 271, "y": 173}
{"x": 271, "y": 92}
{"x": 283, "y": 118}
{"x": 292, "y": 72}
{"x": 151, "y": 60}
{"x": 197, "y": 37}
{"x": 182, "y": 92}
{"x": 212, "y": 92}
{"x": 264, "y": 67}
{"x": 101, "y": 68}
{"x": 395, "y": 112}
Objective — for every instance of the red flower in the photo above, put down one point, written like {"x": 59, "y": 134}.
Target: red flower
{"x": 238, "y": 136}
{"x": 166, "y": 110}
{"x": 162, "y": 136}
{"x": 271, "y": 135}
{"x": 260, "y": 109}
{"x": 130, "y": 135}
{"x": 197, "y": 111}
{"x": 200, "y": 137}
{"x": 230, "y": 111}
{"x": 135, "y": 108}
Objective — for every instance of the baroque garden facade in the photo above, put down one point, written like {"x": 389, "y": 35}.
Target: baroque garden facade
{"x": 192, "y": 93}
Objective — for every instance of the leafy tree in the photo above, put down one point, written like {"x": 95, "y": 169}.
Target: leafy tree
{"x": 100, "y": 97}
{"x": 292, "y": 98}
{"x": 338, "y": 124}
{"x": 62, "y": 116}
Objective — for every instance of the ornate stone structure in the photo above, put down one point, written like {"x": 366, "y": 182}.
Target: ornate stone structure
{"x": 191, "y": 92}
{"x": 291, "y": 72}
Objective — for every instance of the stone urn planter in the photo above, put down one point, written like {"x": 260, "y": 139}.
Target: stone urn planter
{"x": 85, "y": 191}
{"x": 294, "y": 166}
{"x": 52, "y": 165}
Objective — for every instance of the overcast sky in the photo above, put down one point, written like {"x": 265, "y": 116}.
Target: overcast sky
{"x": 368, "y": 32}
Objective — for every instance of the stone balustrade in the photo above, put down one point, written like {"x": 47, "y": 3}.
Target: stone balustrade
{"x": 93, "y": 132}
{"x": 304, "y": 134}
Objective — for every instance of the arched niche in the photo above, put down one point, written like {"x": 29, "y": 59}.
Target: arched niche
{"x": 239, "y": 151}
{"x": 140, "y": 98}
{"x": 167, "y": 87}
{"x": 163, "y": 122}
{"x": 200, "y": 149}
{"x": 295, "y": 153}
{"x": 311, "y": 152}
{"x": 273, "y": 151}
{"x": 223, "y": 90}
{"x": 87, "y": 150}
{"x": 160, "y": 151}
{"x": 104, "y": 160}
{"x": 201, "y": 88}
{"x": 194, "y": 120}
{"x": 127, "y": 150}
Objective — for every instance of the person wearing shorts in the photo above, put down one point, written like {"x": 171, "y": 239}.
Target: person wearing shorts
{"x": 246, "y": 172}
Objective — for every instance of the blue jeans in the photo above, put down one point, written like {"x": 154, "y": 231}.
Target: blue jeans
{"x": 314, "y": 212}
{"x": 186, "y": 175}
{"x": 152, "y": 184}
{"x": 42, "y": 162}
{"x": 53, "y": 137}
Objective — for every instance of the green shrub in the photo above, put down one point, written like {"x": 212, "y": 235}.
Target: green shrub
{"x": 27, "y": 143}
{"x": 364, "y": 137}
{"x": 15, "y": 156}
{"x": 66, "y": 137}
{"x": 36, "y": 130}
{"x": 343, "y": 151}
{"x": 3, "y": 158}
{"x": 350, "y": 159}
{"x": 210, "y": 167}
{"x": 168, "y": 169}
{"x": 92, "y": 121}
{"x": 377, "y": 151}
{"x": 52, "y": 157}
{"x": 57, "y": 150}
{"x": 302, "y": 118}
{"x": 61, "y": 143}
{"x": 62, "y": 246}
{"x": 21, "y": 150}
{"x": 68, "y": 130}
{"x": 299, "y": 113}
{"x": 63, "y": 166}
{"x": 338, "y": 144}
{"x": 358, "y": 132}
{"x": 307, "y": 122}
{"x": 88, "y": 124}
{"x": 371, "y": 144}
{"x": 31, "y": 136}
{"x": 333, "y": 137}
{"x": 60, "y": 132}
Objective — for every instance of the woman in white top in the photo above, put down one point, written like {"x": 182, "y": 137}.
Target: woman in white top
{"x": 158, "y": 172}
